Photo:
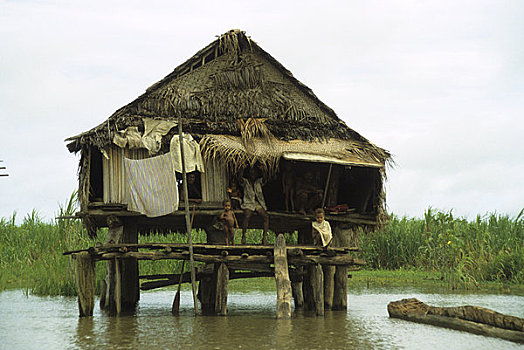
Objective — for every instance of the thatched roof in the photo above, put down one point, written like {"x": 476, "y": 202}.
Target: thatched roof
{"x": 233, "y": 87}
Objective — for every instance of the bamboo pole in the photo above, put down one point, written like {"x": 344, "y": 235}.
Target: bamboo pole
{"x": 188, "y": 221}
{"x": 327, "y": 185}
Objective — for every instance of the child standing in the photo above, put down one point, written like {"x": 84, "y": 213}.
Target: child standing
{"x": 230, "y": 222}
{"x": 321, "y": 230}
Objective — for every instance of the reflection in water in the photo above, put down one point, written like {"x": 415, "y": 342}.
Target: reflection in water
{"x": 42, "y": 323}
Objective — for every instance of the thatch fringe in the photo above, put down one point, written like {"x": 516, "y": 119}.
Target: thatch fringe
{"x": 252, "y": 128}
{"x": 236, "y": 158}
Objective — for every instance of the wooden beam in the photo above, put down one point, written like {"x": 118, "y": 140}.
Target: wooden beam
{"x": 340, "y": 260}
{"x": 186, "y": 278}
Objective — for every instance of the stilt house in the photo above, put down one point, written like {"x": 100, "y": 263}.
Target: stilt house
{"x": 240, "y": 106}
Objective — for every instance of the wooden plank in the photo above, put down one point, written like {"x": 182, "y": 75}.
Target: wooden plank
{"x": 237, "y": 249}
{"x": 341, "y": 260}
{"x": 282, "y": 278}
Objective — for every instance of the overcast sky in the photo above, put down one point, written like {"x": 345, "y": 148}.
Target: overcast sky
{"x": 440, "y": 84}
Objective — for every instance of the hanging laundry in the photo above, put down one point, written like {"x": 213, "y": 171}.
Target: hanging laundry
{"x": 192, "y": 155}
{"x": 129, "y": 135}
{"x": 152, "y": 185}
{"x": 154, "y": 129}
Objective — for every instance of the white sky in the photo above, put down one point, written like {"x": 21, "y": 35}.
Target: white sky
{"x": 440, "y": 84}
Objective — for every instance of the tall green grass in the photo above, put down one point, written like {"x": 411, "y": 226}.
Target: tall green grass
{"x": 31, "y": 253}
{"x": 489, "y": 248}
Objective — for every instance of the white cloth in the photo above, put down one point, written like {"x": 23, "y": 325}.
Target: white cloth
{"x": 324, "y": 228}
{"x": 253, "y": 195}
{"x": 152, "y": 185}
{"x": 154, "y": 129}
{"x": 192, "y": 155}
{"x": 129, "y": 135}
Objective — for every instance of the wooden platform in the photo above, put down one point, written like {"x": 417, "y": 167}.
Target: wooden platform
{"x": 296, "y": 265}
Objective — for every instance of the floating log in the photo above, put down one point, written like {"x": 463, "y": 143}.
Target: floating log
{"x": 471, "y": 319}
{"x": 85, "y": 283}
{"x": 282, "y": 278}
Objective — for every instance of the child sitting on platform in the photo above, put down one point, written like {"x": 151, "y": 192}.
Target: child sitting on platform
{"x": 230, "y": 222}
{"x": 321, "y": 230}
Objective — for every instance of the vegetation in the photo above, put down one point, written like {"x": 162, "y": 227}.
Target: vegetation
{"x": 437, "y": 249}
{"x": 489, "y": 248}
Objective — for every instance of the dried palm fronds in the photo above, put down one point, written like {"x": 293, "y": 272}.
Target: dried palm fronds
{"x": 252, "y": 128}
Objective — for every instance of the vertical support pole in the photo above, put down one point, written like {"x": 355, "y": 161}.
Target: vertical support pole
{"x": 115, "y": 235}
{"x": 327, "y": 185}
{"x": 130, "y": 291}
{"x": 221, "y": 291}
{"x": 340, "y": 295}
{"x": 329, "y": 284}
{"x": 282, "y": 278}
{"x": 317, "y": 287}
{"x": 207, "y": 289}
{"x": 85, "y": 283}
{"x": 188, "y": 222}
{"x": 296, "y": 289}
{"x": 118, "y": 286}
{"x": 341, "y": 238}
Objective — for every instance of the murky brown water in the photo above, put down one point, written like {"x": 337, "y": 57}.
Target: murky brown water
{"x": 29, "y": 322}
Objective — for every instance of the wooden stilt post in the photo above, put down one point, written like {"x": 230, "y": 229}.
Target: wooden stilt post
{"x": 118, "y": 287}
{"x": 296, "y": 289}
{"x": 329, "y": 284}
{"x": 340, "y": 288}
{"x": 188, "y": 222}
{"x": 221, "y": 291}
{"x": 85, "y": 283}
{"x": 282, "y": 278}
{"x": 130, "y": 287}
{"x": 317, "y": 287}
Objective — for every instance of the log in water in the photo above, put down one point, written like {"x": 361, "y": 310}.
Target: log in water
{"x": 468, "y": 318}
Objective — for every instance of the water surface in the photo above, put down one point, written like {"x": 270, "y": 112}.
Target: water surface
{"x": 30, "y": 322}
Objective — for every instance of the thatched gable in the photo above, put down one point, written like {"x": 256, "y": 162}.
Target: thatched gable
{"x": 233, "y": 87}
